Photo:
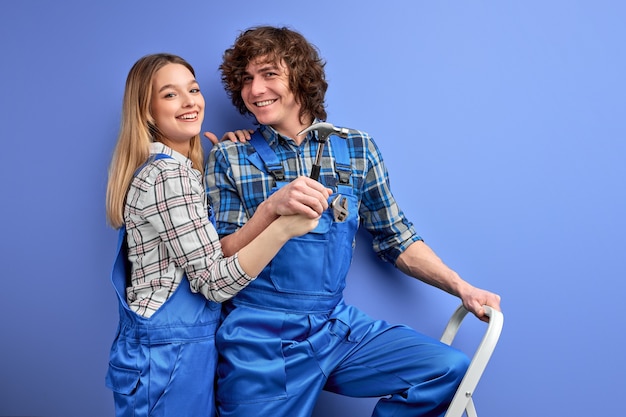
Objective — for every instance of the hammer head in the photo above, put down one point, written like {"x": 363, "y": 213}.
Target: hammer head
{"x": 324, "y": 130}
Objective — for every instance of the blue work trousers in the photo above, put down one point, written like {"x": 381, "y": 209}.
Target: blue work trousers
{"x": 276, "y": 363}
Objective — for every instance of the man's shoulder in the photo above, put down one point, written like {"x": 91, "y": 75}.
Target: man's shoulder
{"x": 355, "y": 133}
{"x": 358, "y": 140}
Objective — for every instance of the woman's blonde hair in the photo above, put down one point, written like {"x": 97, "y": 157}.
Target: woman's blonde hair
{"x": 137, "y": 131}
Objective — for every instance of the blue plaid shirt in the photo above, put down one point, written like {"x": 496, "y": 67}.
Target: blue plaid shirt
{"x": 237, "y": 183}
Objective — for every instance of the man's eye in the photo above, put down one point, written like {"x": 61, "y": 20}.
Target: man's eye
{"x": 246, "y": 80}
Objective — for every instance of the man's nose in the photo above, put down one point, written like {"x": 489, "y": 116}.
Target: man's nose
{"x": 257, "y": 86}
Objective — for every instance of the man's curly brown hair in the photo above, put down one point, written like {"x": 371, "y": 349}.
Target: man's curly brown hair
{"x": 277, "y": 45}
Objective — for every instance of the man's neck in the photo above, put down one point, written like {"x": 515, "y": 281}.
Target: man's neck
{"x": 291, "y": 131}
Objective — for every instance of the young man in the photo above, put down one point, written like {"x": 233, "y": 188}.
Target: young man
{"x": 289, "y": 334}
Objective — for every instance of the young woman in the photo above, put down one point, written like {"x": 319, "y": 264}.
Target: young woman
{"x": 170, "y": 272}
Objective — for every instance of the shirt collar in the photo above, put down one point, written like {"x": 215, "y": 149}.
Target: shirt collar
{"x": 159, "y": 147}
{"x": 273, "y": 137}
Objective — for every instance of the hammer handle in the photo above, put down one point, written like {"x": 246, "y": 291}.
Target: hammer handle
{"x": 315, "y": 172}
{"x": 315, "y": 169}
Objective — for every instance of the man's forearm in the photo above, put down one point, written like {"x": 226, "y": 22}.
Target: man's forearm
{"x": 421, "y": 262}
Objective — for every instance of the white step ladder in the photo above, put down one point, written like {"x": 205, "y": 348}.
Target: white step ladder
{"x": 462, "y": 401}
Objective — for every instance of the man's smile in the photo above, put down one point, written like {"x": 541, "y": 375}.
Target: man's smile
{"x": 264, "y": 103}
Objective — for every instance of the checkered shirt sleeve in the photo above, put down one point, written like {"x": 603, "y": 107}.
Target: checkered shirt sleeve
{"x": 169, "y": 235}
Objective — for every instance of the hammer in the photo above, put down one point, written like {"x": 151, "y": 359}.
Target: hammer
{"x": 324, "y": 130}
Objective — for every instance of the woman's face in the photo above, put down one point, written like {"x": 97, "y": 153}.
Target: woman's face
{"x": 177, "y": 106}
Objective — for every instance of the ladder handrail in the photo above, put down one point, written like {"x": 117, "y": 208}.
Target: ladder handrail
{"x": 463, "y": 397}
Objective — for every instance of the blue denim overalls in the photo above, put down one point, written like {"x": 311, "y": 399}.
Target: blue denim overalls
{"x": 289, "y": 334}
{"x": 164, "y": 365}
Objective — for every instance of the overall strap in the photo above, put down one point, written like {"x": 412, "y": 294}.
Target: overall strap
{"x": 267, "y": 155}
{"x": 342, "y": 159}
{"x": 153, "y": 157}
{"x": 122, "y": 265}
{"x": 275, "y": 168}
{"x": 157, "y": 156}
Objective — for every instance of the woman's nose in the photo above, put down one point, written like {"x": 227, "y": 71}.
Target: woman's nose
{"x": 189, "y": 100}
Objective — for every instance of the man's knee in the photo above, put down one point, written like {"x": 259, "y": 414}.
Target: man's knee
{"x": 450, "y": 367}
{"x": 458, "y": 364}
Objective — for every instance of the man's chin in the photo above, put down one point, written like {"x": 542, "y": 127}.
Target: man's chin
{"x": 264, "y": 119}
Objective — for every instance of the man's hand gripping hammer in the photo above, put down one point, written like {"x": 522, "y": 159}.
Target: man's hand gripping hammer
{"x": 339, "y": 205}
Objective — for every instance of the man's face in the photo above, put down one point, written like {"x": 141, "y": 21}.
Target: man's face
{"x": 267, "y": 95}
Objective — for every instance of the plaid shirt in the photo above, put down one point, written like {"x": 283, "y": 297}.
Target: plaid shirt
{"x": 169, "y": 234}
{"x": 237, "y": 184}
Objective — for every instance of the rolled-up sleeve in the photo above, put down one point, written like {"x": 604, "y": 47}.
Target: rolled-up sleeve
{"x": 380, "y": 214}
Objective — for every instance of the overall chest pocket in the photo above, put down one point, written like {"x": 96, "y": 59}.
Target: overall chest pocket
{"x": 300, "y": 266}
{"x": 316, "y": 263}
